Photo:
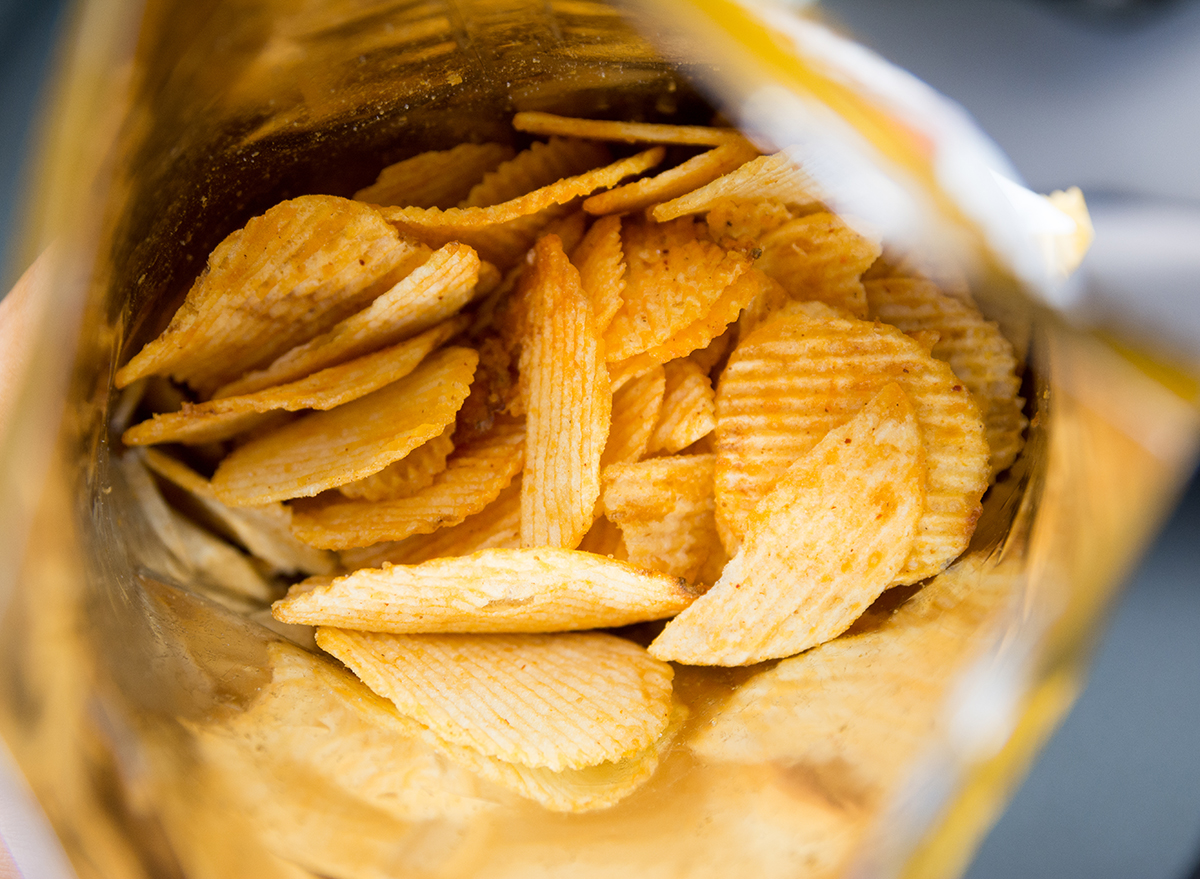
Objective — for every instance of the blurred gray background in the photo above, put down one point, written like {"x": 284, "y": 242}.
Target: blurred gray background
{"x": 1105, "y": 95}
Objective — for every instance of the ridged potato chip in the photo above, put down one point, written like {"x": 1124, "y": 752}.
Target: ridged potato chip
{"x": 635, "y": 410}
{"x": 405, "y": 477}
{"x": 431, "y": 293}
{"x": 797, "y": 377}
{"x": 562, "y": 701}
{"x": 543, "y": 164}
{"x": 568, "y": 403}
{"x": 688, "y": 408}
{"x": 437, "y": 179}
{"x": 778, "y": 176}
{"x": 284, "y": 277}
{"x": 326, "y": 449}
{"x": 741, "y": 223}
{"x": 493, "y": 590}
{"x": 974, "y": 348}
{"x": 474, "y": 476}
{"x": 604, "y": 538}
{"x": 627, "y": 132}
{"x": 601, "y": 263}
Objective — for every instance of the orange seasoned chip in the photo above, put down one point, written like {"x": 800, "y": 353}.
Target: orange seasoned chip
{"x": 601, "y": 263}
{"x": 777, "y": 176}
{"x": 438, "y": 179}
{"x": 568, "y": 403}
{"x": 561, "y": 701}
{"x": 432, "y": 292}
{"x": 741, "y": 223}
{"x": 286, "y": 276}
{"x": 326, "y": 449}
{"x": 664, "y": 508}
{"x": 818, "y": 257}
{"x": 405, "y": 477}
{"x": 974, "y": 347}
{"x": 635, "y": 408}
{"x": 474, "y": 476}
{"x": 826, "y": 541}
{"x": 540, "y": 165}
{"x": 329, "y": 388}
{"x": 799, "y": 376}
{"x": 769, "y": 298}
{"x": 674, "y": 182}
{"x": 493, "y": 590}
{"x": 627, "y": 132}
{"x": 688, "y": 408}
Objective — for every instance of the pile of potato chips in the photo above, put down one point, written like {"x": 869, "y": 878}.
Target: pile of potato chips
{"x": 500, "y": 401}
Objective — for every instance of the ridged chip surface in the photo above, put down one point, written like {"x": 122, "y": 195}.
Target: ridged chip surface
{"x": 688, "y": 408}
{"x": 635, "y": 410}
{"x": 541, "y": 165}
{"x": 742, "y": 223}
{"x": 778, "y": 176}
{"x": 600, "y": 259}
{"x": 436, "y": 179}
{"x": 405, "y": 477}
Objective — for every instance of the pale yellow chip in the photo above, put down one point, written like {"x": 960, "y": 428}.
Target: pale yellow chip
{"x": 474, "y": 477}
{"x": 431, "y": 293}
{"x": 493, "y": 590}
{"x": 601, "y": 263}
{"x": 797, "y": 377}
{"x": 688, "y": 408}
{"x": 285, "y": 277}
{"x": 327, "y": 389}
{"x": 323, "y": 450}
{"x": 562, "y": 701}
{"x": 568, "y": 403}
{"x": 975, "y": 349}
{"x": 437, "y": 179}
{"x": 635, "y": 410}
{"x": 673, "y": 278}
{"x": 741, "y": 223}
{"x": 405, "y": 477}
{"x": 777, "y": 176}
{"x": 664, "y": 508}
{"x": 626, "y": 132}
{"x": 831, "y": 535}
{"x": 818, "y": 257}
{"x": 541, "y": 165}
{"x": 604, "y": 538}
{"x": 674, "y": 182}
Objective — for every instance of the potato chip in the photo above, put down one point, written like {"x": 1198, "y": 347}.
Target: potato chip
{"x": 688, "y": 408}
{"x": 286, "y": 276}
{"x": 798, "y": 376}
{"x": 493, "y": 590}
{"x": 974, "y": 348}
{"x": 713, "y": 355}
{"x": 635, "y": 409}
{"x": 562, "y": 701}
{"x": 769, "y": 297}
{"x": 474, "y": 476}
{"x": 405, "y": 477}
{"x": 568, "y": 403}
{"x": 818, "y": 257}
{"x": 431, "y": 293}
{"x": 674, "y": 276}
{"x": 541, "y": 165}
{"x": 777, "y": 176}
{"x": 438, "y": 179}
{"x": 674, "y": 182}
{"x": 831, "y": 535}
{"x": 326, "y": 449}
{"x": 627, "y": 132}
{"x": 664, "y": 508}
{"x": 741, "y": 223}
{"x": 601, "y": 263}
{"x": 604, "y": 538}
{"x": 327, "y": 389}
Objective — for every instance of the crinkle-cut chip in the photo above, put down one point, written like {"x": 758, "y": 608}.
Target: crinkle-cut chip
{"x": 701, "y": 332}
{"x": 493, "y": 590}
{"x": 562, "y": 701}
{"x": 778, "y": 176}
{"x": 492, "y": 391}
{"x": 818, "y": 257}
{"x": 664, "y": 508}
{"x": 601, "y": 263}
{"x": 714, "y": 353}
{"x": 820, "y": 548}
{"x": 474, "y": 476}
{"x": 627, "y": 132}
{"x": 498, "y": 525}
{"x": 323, "y": 450}
{"x": 769, "y": 299}
{"x": 327, "y": 389}
{"x": 265, "y": 532}
{"x": 570, "y": 230}
{"x": 431, "y": 293}
{"x": 741, "y": 223}
{"x": 797, "y": 377}
{"x": 568, "y": 403}
{"x": 540, "y": 165}
{"x": 437, "y": 179}
{"x": 286, "y": 276}
{"x": 974, "y": 348}
{"x": 604, "y": 538}
{"x": 635, "y": 408}
{"x": 405, "y": 477}
{"x": 674, "y": 182}
{"x": 688, "y": 408}
{"x": 674, "y": 275}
